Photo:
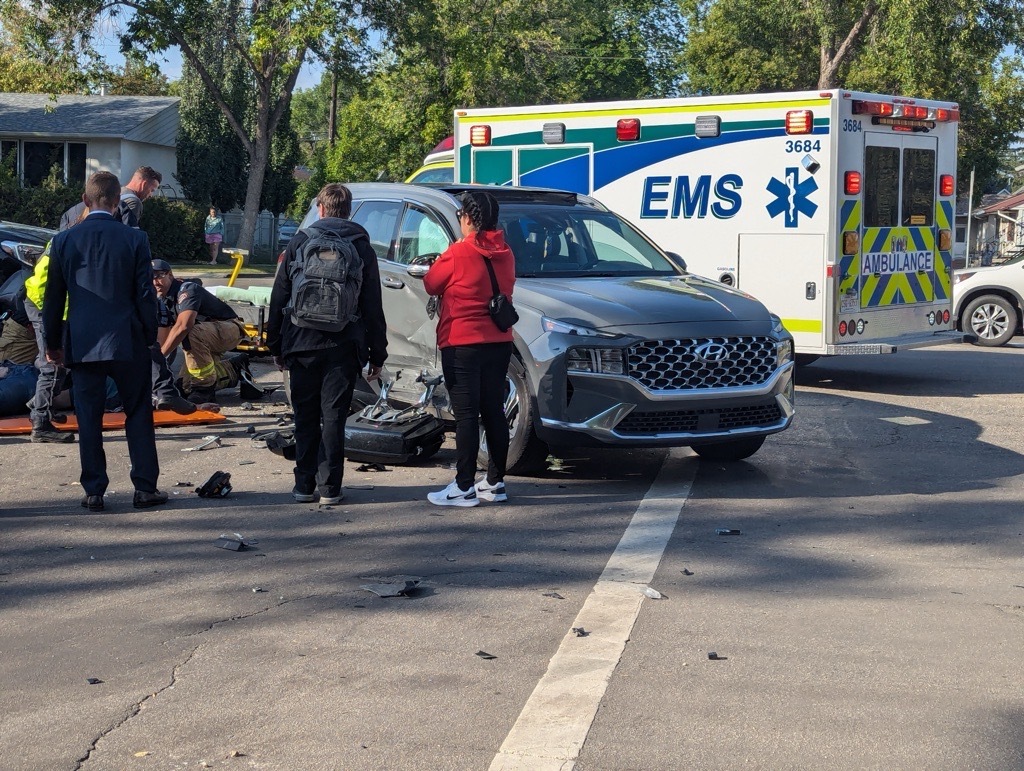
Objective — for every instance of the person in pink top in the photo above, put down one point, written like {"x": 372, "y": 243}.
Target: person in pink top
{"x": 475, "y": 353}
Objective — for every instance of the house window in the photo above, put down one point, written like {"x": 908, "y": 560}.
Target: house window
{"x": 961, "y": 233}
{"x": 39, "y": 158}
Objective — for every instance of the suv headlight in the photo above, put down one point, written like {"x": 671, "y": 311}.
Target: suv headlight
{"x": 602, "y": 361}
{"x": 569, "y": 328}
{"x": 784, "y": 343}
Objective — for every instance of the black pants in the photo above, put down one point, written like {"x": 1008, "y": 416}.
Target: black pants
{"x": 163, "y": 380}
{"x": 322, "y": 385}
{"x": 51, "y": 378}
{"x": 475, "y": 376}
{"x": 89, "y": 387}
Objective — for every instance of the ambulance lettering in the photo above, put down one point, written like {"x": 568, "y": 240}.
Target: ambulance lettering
{"x": 899, "y": 260}
{"x": 691, "y": 197}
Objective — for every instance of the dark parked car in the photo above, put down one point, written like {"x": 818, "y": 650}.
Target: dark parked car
{"x": 617, "y": 345}
{"x": 20, "y": 247}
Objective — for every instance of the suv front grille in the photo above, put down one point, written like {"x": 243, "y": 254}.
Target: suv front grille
{"x": 699, "y": 421}
{"x": 675, "y": 365}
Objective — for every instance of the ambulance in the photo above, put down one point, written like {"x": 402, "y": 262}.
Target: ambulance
{"x": 834, "y": 208}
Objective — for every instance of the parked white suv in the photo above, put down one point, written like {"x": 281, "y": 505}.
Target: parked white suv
{"x": 988, "y": 302}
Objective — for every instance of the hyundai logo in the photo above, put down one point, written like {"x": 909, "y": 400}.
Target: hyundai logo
{"x": 712, "y": 353}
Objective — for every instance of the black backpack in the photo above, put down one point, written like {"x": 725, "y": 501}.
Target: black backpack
{"x": 327, "y": 276}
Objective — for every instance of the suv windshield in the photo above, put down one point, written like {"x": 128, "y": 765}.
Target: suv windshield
{"x": 559, "y": 241}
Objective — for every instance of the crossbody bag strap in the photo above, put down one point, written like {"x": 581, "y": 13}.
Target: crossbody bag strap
{"x": 490, "y": 272}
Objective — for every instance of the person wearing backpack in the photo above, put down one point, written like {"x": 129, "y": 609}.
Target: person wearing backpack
{"x": 326, "y": 323}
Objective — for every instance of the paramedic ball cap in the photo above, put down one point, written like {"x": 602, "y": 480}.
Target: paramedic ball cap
{"x": 160, "y": 266}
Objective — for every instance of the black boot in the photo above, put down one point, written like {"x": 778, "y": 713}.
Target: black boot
{"x": 203, "y": 395}
{"x": 45, "y": 432}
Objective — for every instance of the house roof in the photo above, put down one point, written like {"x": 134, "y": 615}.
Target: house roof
{"x": 1005, "y": 204}
{"x": 150, "y": 119}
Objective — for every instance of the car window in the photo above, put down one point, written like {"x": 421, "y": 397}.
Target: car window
{"x": 577, "y": 242}
{"x": 379, "y": 218}
{"x": 421, "y": 235}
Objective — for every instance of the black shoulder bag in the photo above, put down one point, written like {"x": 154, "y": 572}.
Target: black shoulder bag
{"x": 500, "y": 307}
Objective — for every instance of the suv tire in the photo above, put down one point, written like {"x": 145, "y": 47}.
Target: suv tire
{"x": 730, "y": 450}
{"x": 992, "y": 318}
{"x": 526, "y": 453}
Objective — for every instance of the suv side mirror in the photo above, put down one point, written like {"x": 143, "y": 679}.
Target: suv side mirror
{"x": 677, "y": 258}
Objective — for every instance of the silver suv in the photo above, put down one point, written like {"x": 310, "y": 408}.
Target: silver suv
{"x": 616, "y": 346}
{"x": 988, "y": 301}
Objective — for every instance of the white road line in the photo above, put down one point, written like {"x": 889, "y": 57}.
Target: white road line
{"x": 554, "y": 723}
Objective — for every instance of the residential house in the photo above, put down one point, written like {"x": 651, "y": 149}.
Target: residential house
{"x": 85, "y": 134}
{"x": 999, "y": 221}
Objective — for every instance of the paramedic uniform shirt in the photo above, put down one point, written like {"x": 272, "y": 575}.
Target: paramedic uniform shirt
{"x": 190, "y": 296}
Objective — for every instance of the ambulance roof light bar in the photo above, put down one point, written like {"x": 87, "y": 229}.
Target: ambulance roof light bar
{"x": 917, "y": 112}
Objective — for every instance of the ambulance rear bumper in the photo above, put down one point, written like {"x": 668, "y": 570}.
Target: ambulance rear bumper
{"x": 922, "y": 340}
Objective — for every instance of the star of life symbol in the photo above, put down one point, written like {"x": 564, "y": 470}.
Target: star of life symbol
{"x": 792, "y": 197}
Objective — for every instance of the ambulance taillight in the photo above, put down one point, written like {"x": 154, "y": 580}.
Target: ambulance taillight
{"x": 480, "y": 136}
{"x": 863, "y": 107}
{"x": 799, "y": 122}
{"x": 851, "y": 183}
{"x": 627, "y": 129}
{"x": 946, "y": 186}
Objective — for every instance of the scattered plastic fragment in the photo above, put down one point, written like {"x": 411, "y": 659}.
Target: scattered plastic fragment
{"x": 580, "y": 631}
{"x": 373, "y": 467}
{"x": 726, "y": 531}
{"x": 687, "y": 572}
{"x": 142, "y": 753}
{"x": 392, "y": 586}
{"x": 93, "y": 680}
{"x": 184, "y": 484}
{"x": 246, "y": 462}
{"x": 236, "y": 754}
{"x": 217, "y": 486}
{"x": 485, "y": 655}
{"x": 654, "y": 594}
{"x": 207, "y": 443}
{"x": 555, "y": 595}
{"x": 234, "y": 542}
{"x": 715, "y": 657}
{"x": 248, "y": 406}
{"x": 258, "y": 589}
{"x": 250, "y": 429}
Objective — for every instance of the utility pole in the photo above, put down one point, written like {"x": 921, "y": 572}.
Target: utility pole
{"x": 970, "y": 213}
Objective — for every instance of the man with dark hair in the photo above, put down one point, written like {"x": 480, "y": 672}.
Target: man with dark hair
{"x": 324, "y": 361}
{"x": 143, "y": 183}
{"x": 100, "y": 271}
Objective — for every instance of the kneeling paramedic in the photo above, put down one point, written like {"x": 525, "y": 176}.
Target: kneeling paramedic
{"x": 205, "y": 326}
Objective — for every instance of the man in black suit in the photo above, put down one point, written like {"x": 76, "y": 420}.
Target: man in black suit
{"x": 100, "y": 268}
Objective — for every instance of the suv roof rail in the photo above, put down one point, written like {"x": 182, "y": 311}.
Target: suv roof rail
{"x": 503, "y": 193}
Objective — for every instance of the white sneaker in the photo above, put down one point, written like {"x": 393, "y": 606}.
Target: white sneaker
{"x": 331, "y": 500}
{"x": 492, "y": 493}
{"x": 453, "y": 495}
{"x": 303, "y": 497}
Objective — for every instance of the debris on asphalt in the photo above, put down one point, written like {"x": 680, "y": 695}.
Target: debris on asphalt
{"x": 217, "y": 486}
{"x": 358, "y": 487}
{"x": 555, "y": 595}
{"x": 715, "y": 657}
{"x": 207, "y": 443}
{"x": 580, "y": 631}
{"x": 250, "y": 429}
{"x": 142, "y": 753}
{"x": 184, "y": 484}
{"x": 248, "y": 406}
{"x": 391, "y": 586}
{"x": 93, "y": 680}
{"x": 373, "y": 467}
{"x": 687, "y": 572}
{"x": 234, "y": 542}
{"x": 258, "y": 589}
{"x": 727, "y": 531}
{"x": 654, "y": 594}
{"x": 246, "y": 462}
{"x": 485, "y": 655}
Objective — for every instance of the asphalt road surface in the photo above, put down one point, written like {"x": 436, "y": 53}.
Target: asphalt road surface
{"x": 869, "y": 614}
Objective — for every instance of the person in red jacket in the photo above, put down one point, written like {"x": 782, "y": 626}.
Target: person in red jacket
{"x": 474, "y": 352}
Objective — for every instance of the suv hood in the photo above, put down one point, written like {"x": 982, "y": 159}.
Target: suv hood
{"x": 604, "y": 303}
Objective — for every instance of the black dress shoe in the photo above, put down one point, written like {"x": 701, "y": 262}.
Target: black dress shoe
{"x": 144, "y": 500}
{"x": 92, "y": 502}
{"x": 177, "y": 404}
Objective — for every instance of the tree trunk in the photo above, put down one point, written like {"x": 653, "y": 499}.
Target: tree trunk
{"x": 257, "y": 171}
{"x": 332, "y": 120}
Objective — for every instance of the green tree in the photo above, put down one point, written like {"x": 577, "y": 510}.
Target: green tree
{"x": 272, "y": 37}
{"x": 951, "y": 50}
